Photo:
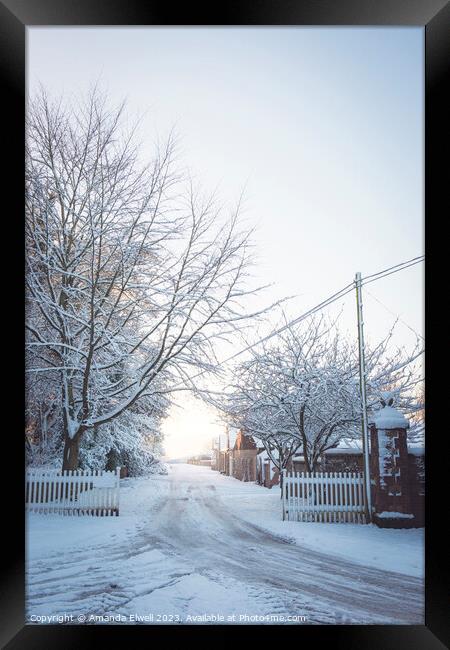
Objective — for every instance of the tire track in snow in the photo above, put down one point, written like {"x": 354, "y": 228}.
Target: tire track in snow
{"x": 190, "y": 543}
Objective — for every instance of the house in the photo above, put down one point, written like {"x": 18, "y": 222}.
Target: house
{"x": 342, "y": 459}
{"x": 234, "y": 454}
{"x": 267, "y": 473}
{"x": 226, "y": 445}
{"x": 297, "y": 464}
{"x": 219, "y": 461}
{"x": 215, "y": 447}
{"x": 237, "y": 455}
{"x": 243, "y": 458}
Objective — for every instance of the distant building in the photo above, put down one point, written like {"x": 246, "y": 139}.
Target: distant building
{"x": 267, "y": 472}
{"x": 243, "y": 458}
{"x": 342, "y": 459}
{"x": 234, "y": 454}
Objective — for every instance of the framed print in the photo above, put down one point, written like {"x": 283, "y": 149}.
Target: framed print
{"x": 224, "y": 299}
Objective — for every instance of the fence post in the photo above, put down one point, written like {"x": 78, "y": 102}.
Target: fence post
{"x": 70, "y": 492}
{"x": 323, "y": 496}
{"x": 117, "y": 490}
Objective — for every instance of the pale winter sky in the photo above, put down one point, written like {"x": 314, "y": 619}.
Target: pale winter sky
{"x": 323, "y": 127}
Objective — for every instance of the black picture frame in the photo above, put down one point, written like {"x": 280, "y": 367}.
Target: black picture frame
{"x": 15, "y": 16}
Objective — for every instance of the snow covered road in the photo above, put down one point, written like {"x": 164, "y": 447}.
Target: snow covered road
{"x": 182, "y": 551}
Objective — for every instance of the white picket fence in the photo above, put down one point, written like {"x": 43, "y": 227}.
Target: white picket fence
{"x": 78, "y": 492}
{"x": 323, "y": 497}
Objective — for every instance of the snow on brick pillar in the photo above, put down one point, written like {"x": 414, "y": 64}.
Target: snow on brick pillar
{"x": 389, "y": 467}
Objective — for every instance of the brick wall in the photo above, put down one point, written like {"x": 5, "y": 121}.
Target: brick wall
{"x": 244, "y": 464}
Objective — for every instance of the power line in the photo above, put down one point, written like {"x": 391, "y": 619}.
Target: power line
{"x": 325, "y": 303}
{"x": 391, "y": 273}
{"x": 393, "y": 269}
{"x": 336, "y": 296}
{"x": 413, "y": 259}
{"x": 395, "y": 315}
{"x": 328, "y": 301}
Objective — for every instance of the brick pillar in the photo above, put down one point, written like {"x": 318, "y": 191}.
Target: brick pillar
{"x": 391, "y": 496}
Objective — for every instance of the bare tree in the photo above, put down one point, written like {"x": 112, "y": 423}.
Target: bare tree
{"x": 301, "y": 389}
{"x": 130, "y": 272}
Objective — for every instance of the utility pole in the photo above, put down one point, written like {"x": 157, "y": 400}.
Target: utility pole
{"x": 362, "y": 384}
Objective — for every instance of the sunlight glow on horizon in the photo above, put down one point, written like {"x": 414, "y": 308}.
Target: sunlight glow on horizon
{"x": 189, "y": 430}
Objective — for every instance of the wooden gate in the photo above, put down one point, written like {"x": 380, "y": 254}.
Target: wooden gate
{"x": 78, "y": 492}
{"x": 323, "y": 497}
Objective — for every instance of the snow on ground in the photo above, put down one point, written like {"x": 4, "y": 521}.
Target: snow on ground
{"x": 198, "y": 544}
{"x": 46, "y": 534}
{"x": 390, "y": 549}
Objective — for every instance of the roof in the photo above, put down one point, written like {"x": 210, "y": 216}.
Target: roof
{"x": 265, "y": 456}
{"x": 347, "y": 451}
{"x": 244, "y": 441}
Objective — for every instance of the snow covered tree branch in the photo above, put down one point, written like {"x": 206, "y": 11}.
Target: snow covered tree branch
{"x": 300, "y": 390}
{"x": 131, "y": 273}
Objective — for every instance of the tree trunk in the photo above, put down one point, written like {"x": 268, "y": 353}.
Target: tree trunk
{"x": 71, "y": 450}
{"x": 281, "y": 481}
